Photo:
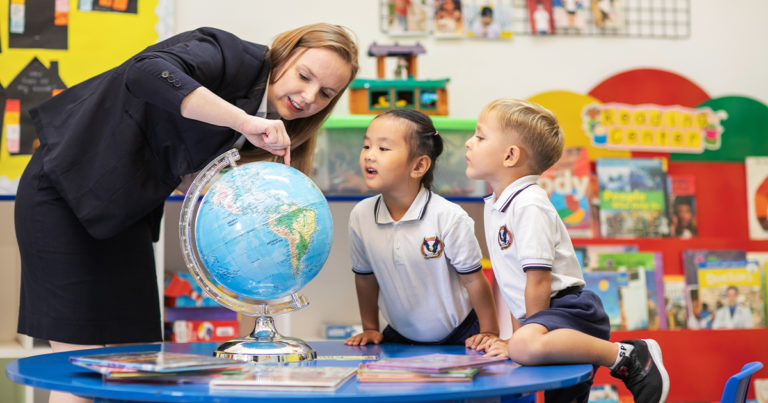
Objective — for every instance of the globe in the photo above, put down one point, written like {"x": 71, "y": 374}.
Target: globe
{"x": 262, "y": 230}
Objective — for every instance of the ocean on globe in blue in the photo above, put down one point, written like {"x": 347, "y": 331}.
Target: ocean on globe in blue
{"x": 263, "y": 230}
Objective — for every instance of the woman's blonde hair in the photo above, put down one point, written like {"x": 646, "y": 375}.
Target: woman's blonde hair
{"x": 303, "y": 132}
{"x": 537, "y": 127}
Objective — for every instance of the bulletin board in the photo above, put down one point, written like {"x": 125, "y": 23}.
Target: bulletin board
{"x": 49, "y": 45}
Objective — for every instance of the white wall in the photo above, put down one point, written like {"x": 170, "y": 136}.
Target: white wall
{"x": 725, "y": 55}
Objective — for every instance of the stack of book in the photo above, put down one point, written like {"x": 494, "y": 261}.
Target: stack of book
{"x": 158, "y": 366}
{"x": 425, "y": 368}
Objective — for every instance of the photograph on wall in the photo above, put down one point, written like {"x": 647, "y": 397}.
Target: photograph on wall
{"x": 489, "y": 20}
{"x": 540, "y": 16}
{"x": 38, "y": 24}
{"x": 448, "y": 19}
{"x": 406, "y": 17}
{"x": 569, "y": 15}
{"x": 757, "y": 196}
{"x": 117, "y": 6}
{"x": 607, "y": 13}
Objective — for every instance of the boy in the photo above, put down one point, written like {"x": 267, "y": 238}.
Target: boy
{"x": 554, "y": 320}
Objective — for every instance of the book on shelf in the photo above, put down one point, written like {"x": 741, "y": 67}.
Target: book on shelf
{"x": 567, "y": 184}
{"x": 757, "y": 196}
{"x": 693, "y": 257}
{"x": 286, "y": 378}
{"x": 152, "y": 361}
{"x": 592, "y": 253}
{"x": 734, "y": 289}
{"x": 632, "y": 197}
{"x": 762, "y": 262}
{"x": 681, "y": 191}
{"x": 606, "y": 284}
{"x": 645, "y": 288}
{"x": 365, "y": 374}
{"x": 435, "y": 363}
{"x": 675, "y": 301}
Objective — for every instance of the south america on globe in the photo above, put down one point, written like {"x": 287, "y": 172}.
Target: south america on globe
{"x": 263, "y": 230}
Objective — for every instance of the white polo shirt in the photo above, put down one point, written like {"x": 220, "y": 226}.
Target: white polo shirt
{"x": 416, "y": 262}
{"x": 524, "y": 231}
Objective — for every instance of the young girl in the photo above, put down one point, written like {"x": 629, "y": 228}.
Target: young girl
{"x": 414, "y": 254}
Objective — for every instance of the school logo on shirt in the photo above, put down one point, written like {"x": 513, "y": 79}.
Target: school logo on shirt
{"x": 432, "y": 247}
{"x": 505, "y": 237}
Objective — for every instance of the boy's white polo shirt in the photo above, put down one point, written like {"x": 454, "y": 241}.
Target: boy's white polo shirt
{"x": 416, "y": 262}
{"x": 524, "y": 231}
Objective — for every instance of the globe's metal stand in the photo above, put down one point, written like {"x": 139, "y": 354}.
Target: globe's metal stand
{"x": 264, "y": 344}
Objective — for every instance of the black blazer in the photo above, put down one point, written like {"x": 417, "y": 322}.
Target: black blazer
{"x": 116, "y": 145}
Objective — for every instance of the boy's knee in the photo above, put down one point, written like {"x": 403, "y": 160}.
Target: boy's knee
{"x": 526, "y": 351}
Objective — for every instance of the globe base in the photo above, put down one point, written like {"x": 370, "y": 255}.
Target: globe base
{"x": 266, "y": 345}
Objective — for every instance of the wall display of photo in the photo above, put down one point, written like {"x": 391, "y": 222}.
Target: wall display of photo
{"x": 489, "y": 19}
{"x": 669, "y": 19}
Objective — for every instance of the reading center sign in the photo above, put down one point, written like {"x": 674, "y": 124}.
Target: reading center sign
{"x": 649, "y": 127}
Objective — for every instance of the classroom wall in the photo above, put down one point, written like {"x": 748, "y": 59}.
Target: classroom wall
{"x": 723, "y": 55}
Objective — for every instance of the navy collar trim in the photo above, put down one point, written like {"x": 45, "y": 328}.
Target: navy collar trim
{"x": 509, "y": 201}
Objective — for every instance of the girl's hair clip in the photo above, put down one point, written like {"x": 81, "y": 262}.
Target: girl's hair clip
{"x": 436, "y": 133}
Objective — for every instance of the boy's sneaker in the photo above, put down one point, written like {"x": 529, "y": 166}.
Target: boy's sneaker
{"x": 643, "y": 372}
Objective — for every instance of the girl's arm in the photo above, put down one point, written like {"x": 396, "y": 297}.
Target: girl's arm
{"x": 368, "y": 301}
{"x": 481, "y": 297}
{"x": 538, "y": 287}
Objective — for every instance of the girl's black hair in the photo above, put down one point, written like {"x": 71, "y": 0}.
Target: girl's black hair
{"x": 423, "y": 139}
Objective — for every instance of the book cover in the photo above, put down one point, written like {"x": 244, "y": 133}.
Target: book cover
{"x": 757, "y": 196}
{"x": 632, "y": 197}
{"x": 592, "y": 253}
{"x": 606, "y": 284}
{"x": 185, "y": 377}
{"x": 365, "y": 374}
{"x": 700, "y": 314}
{"x": 433, "y": 363}
{"x": 645, "y": 288}
{"x": 153, "y": 361}
{"x": 675, "y": 301}
{"x": 693, "y": 257}
{"x": 762, "y": 261}
{"x": 734, "y": 288}
{"x": 567, "y": 184}
{"x": 681, "y": 190}
{"x": 287, "y": 378}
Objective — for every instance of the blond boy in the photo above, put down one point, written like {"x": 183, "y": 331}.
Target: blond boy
{"x": 554, "y": 319}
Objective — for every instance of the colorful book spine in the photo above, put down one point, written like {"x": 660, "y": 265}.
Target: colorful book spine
{"x": 567, "y": 183}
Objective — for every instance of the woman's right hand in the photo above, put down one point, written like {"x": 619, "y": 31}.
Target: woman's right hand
{"x": 267, "y": 134}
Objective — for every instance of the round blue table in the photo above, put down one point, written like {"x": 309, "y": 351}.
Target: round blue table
{"x": 509, "y": 381}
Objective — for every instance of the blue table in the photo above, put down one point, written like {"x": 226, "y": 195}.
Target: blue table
{"x": 54, "y": 371}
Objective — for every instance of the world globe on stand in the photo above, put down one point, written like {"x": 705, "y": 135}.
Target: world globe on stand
{"x": 260, "y": 233}
{"x": 263, "y": 230}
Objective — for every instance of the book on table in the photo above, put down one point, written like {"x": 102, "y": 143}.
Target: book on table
{"x": 435, "y": 363}
{"x": 153, "y": 361}
{"x": 271, "y": 377}
{"x": 365, "y": 374}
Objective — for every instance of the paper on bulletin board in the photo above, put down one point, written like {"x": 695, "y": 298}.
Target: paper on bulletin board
{"x": 94, "y": 41}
